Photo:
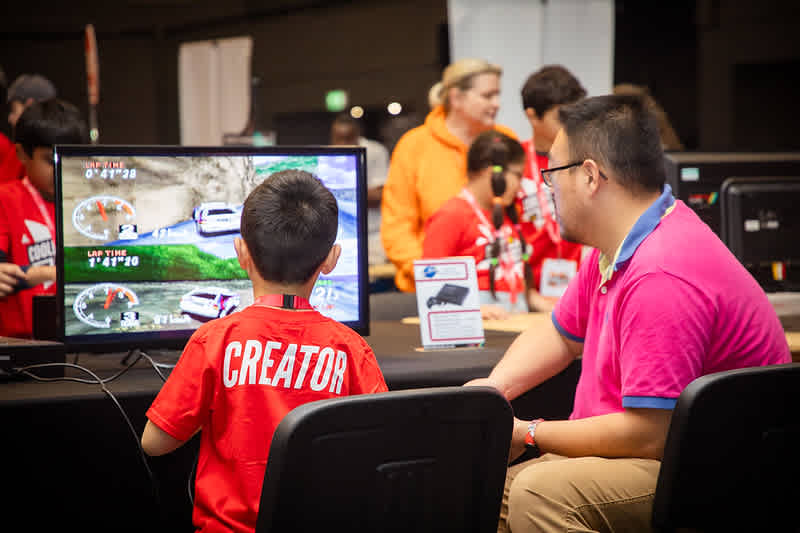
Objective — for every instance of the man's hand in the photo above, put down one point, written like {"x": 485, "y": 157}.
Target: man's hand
{"x": 10, "y": 276}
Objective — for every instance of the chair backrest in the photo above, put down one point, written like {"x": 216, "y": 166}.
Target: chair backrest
{"x": 731, "y": 456}
{"x": 410, "y": 460}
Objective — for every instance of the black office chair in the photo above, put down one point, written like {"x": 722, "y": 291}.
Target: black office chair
{"x": 731, "y": 461}
{"x": 411, "y": 460}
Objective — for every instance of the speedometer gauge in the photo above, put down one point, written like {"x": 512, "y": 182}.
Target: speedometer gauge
{"x": 100, "y": 217}
{"x": 104, "y": 305}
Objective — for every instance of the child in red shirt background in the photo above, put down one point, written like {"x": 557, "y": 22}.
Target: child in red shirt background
{"x": 543, "y": 93}
{"x": 26, "y": 90}
{"x": 481, "y": 221}
{"x": 27, "y": 212}
{"x": 238, "y": 376}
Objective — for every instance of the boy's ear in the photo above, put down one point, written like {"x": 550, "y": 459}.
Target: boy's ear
{"x": 242, "y": 253}
{"x": 531, "y": 113}
{"x": 22, "y": 155}
{"x": 333, "y": 257}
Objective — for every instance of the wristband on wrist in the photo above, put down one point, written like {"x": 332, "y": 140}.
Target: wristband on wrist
{"x": 530, "y": 437}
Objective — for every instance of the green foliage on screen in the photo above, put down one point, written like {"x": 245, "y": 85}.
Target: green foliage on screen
{"x": 151, "y": 263}
{"x": 307, "y": 163}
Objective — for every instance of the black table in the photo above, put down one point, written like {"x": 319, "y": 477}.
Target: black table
{"x": 71, "y": 458}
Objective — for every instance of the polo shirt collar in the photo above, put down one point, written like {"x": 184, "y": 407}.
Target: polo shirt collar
{"x": 643, "y": 227}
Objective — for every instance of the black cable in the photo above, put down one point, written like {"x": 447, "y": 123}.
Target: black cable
{"x": 98, "y": 381}
{"x": 156, "y": 366}
{"x": 192, "y": 474}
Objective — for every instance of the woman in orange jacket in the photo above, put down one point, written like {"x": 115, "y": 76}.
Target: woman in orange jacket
{"x": 428, "y": 165}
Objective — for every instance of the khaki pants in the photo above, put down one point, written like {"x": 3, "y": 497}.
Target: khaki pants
{"x": 555, "y": 493}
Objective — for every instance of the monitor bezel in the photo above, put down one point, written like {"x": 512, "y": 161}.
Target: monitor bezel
{"x": 175, "y": 340}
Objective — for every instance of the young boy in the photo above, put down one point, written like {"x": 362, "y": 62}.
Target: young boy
{"x": 239, "y": 375}
{"x": 23, "y": 92}
{"x": 27, "y": 213}
{"x": 553, "y": 260}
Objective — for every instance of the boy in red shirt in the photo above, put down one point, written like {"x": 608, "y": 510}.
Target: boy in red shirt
{"x": 23, "y": 92}
{"x": 27, "y": 213}
{"x": 553, "y": 259}
{"x": 240, "y": 375}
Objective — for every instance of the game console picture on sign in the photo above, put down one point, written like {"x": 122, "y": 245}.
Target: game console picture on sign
{"x": 448, "y": 303}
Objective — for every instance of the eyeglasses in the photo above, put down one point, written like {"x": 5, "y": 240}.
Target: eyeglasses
{"x": 547, "y": 178}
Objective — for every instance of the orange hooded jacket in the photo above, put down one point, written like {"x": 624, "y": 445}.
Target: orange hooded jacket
{"x": 428, "y": 167}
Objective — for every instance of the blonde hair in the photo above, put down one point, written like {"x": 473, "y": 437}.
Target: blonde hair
{"x": 459, "y": 74}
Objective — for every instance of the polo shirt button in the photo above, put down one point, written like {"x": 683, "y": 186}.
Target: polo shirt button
{"x": 603, "y": 289}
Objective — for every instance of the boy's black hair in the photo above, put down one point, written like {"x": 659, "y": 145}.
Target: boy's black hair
{"x": 620, "y": 132}
{"x": 289, "y": 223}
{"x": 47, "y": 123}
{"x": 550, "y": 86}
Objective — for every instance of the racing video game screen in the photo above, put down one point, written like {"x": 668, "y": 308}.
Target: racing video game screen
{"x": 145, "y": 249}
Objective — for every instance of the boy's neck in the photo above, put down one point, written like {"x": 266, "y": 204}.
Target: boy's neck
{"x": 262, "y": 288}
{"x": 541, "y": 146}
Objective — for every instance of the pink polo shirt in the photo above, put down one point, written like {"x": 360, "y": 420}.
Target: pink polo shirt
{"x": 674, "y": 305}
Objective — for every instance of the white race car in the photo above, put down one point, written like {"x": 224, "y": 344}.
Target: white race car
{"x": 216, "y": 217}
{"x": 210, "y": 302}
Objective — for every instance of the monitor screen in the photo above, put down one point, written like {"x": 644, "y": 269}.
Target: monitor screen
{"x": 696, "y": 177}
{"x": 760, "y": 224}
{"x": 145, "y": 236}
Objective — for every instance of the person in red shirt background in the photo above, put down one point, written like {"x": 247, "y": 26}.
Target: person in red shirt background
{"x": 238, "y": 376}
{"x": 482, "y": 222}
{"x": 27, "y": 212}
{"x": 554, "y": 261}
{"x": 24, "y": 91}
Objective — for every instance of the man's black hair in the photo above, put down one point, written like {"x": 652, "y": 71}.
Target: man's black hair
{"x": 47, "y": 123}
{"x": 550, "y": 86}
{"x": 289, "y": 223}
{"x": 621, "y": 133}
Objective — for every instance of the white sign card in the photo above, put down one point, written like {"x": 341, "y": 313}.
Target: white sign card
{"x": 556, "y": 275}
{"x": 447, "y": 302}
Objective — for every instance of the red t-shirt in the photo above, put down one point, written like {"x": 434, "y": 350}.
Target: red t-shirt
{"x": 539, "y": 227}
{"x": 27, "y": 238}
{"x": 456, "y": 229}
{"x": 10, "y": 167}
{"x": 237, "y": 378}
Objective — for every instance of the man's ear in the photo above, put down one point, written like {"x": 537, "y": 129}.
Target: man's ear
{"x": 333, "y": 257}
{"x": 593, "y": 177}
{"x": 531, "y": 113}
{"x": 242, "y": 253}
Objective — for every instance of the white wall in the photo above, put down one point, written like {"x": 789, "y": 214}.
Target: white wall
{"x": 214, "y": 89}
{"x": 523, "y": 35}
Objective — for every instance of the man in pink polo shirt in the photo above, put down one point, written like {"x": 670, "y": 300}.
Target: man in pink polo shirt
{"x": 660, "y": 302}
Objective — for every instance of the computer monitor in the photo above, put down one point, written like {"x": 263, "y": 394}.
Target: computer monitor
{"x": 761, "y": 224}
{"x": 145, "y": 238}
{"x": 696, "y": 177}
